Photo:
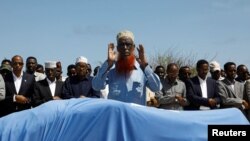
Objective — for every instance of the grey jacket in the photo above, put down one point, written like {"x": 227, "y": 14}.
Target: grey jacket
{"x": 230, "y": 97}
{"x": 2, "y": 88}
{"x": 166, "y": 97}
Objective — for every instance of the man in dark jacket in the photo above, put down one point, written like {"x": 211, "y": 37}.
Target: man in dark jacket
{"x": 48, "y": 88}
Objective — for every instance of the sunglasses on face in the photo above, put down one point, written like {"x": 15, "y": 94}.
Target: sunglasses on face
{"x": 18, "y": 63}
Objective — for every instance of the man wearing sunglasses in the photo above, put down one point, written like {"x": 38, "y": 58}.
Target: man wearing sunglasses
{"x": 19, "y": 88}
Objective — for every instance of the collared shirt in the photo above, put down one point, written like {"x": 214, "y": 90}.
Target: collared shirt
{"x": 52, "y": 86}
{"x": 232, "y": 84}
{"x": 17, "y": 81}
{"x": 166, "y": 96}
{"x": 127, "y": 88}
{"x": 203, "y": 85}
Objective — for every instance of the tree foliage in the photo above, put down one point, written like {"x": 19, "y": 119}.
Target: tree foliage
{"x": 173, "y": 56}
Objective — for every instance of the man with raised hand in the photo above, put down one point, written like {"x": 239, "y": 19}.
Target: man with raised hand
{"x": 126, "y": 76}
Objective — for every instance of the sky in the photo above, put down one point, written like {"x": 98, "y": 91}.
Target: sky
{"x": 63, "y": 30}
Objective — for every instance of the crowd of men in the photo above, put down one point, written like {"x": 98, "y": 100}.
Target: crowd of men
{"x": 127, "y": 78}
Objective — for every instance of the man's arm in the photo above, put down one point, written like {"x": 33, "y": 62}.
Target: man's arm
{"x": 99, "y": 81}
{"x": 225, "y": 93}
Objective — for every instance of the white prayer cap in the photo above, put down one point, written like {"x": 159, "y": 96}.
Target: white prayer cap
{"x": 81, "y": 59}
{"x": 50, "y": 64}
{"x": 214, "y": 66}
{"x": 125, "y": 33}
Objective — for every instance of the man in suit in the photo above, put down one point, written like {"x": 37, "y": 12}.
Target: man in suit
{"x": 230, "y": 90}
{"x": 48, "y": 88}
{"x": 201, "y": 92}
{"x": 19, "y": 87}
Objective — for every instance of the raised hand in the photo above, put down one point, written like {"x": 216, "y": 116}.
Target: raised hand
{"x": 111, "y": 54}
{"x": 142, "y": 59}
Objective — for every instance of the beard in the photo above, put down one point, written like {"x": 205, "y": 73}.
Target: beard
{"x": 125, "y": 65}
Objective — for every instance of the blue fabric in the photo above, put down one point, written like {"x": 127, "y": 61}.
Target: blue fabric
{"x": 108, "y": 120}
{"x": 126, "y": 88}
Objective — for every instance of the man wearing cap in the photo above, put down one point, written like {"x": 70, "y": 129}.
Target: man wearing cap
{"x": 5, "y": 67}
{"x": 80, "y": 85}
{"x": 19, "y": 87}
{"x": 215, "y": 70}
{"x": 48, "y": 88}
{"x": 127, "y": 77}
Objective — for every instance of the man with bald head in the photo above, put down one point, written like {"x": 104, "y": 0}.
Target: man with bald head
{"x": 126, "y": 76}
{"x": 19, "y": 88}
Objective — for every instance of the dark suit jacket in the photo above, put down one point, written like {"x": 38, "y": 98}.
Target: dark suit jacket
{"x": 42, "y": 91}
{"x": 194, "y": 93}
{"x": 8, "y": 106}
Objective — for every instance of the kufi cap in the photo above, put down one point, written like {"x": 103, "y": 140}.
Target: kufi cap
{"x": 81, "y": 59}
{"x": 50, "y": 64}
{"x": 214, "y": 66}
{"x": 125, "y": 33}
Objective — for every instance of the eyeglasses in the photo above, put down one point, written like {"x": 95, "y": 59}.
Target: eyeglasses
{"x": 18, "y": 63}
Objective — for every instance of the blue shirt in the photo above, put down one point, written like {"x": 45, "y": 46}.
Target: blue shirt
{"x": 127, "y": 88}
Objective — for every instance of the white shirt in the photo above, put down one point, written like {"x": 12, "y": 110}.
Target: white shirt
{"x": 203, "y": 85}
{"x": 17, "y": 82}
{"x": 52, "y": 86}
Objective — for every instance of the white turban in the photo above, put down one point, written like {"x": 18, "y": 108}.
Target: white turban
{"x": 81, "y": 59}
{"x": 125, "y": 33}
{"x": 50, "y": 64}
